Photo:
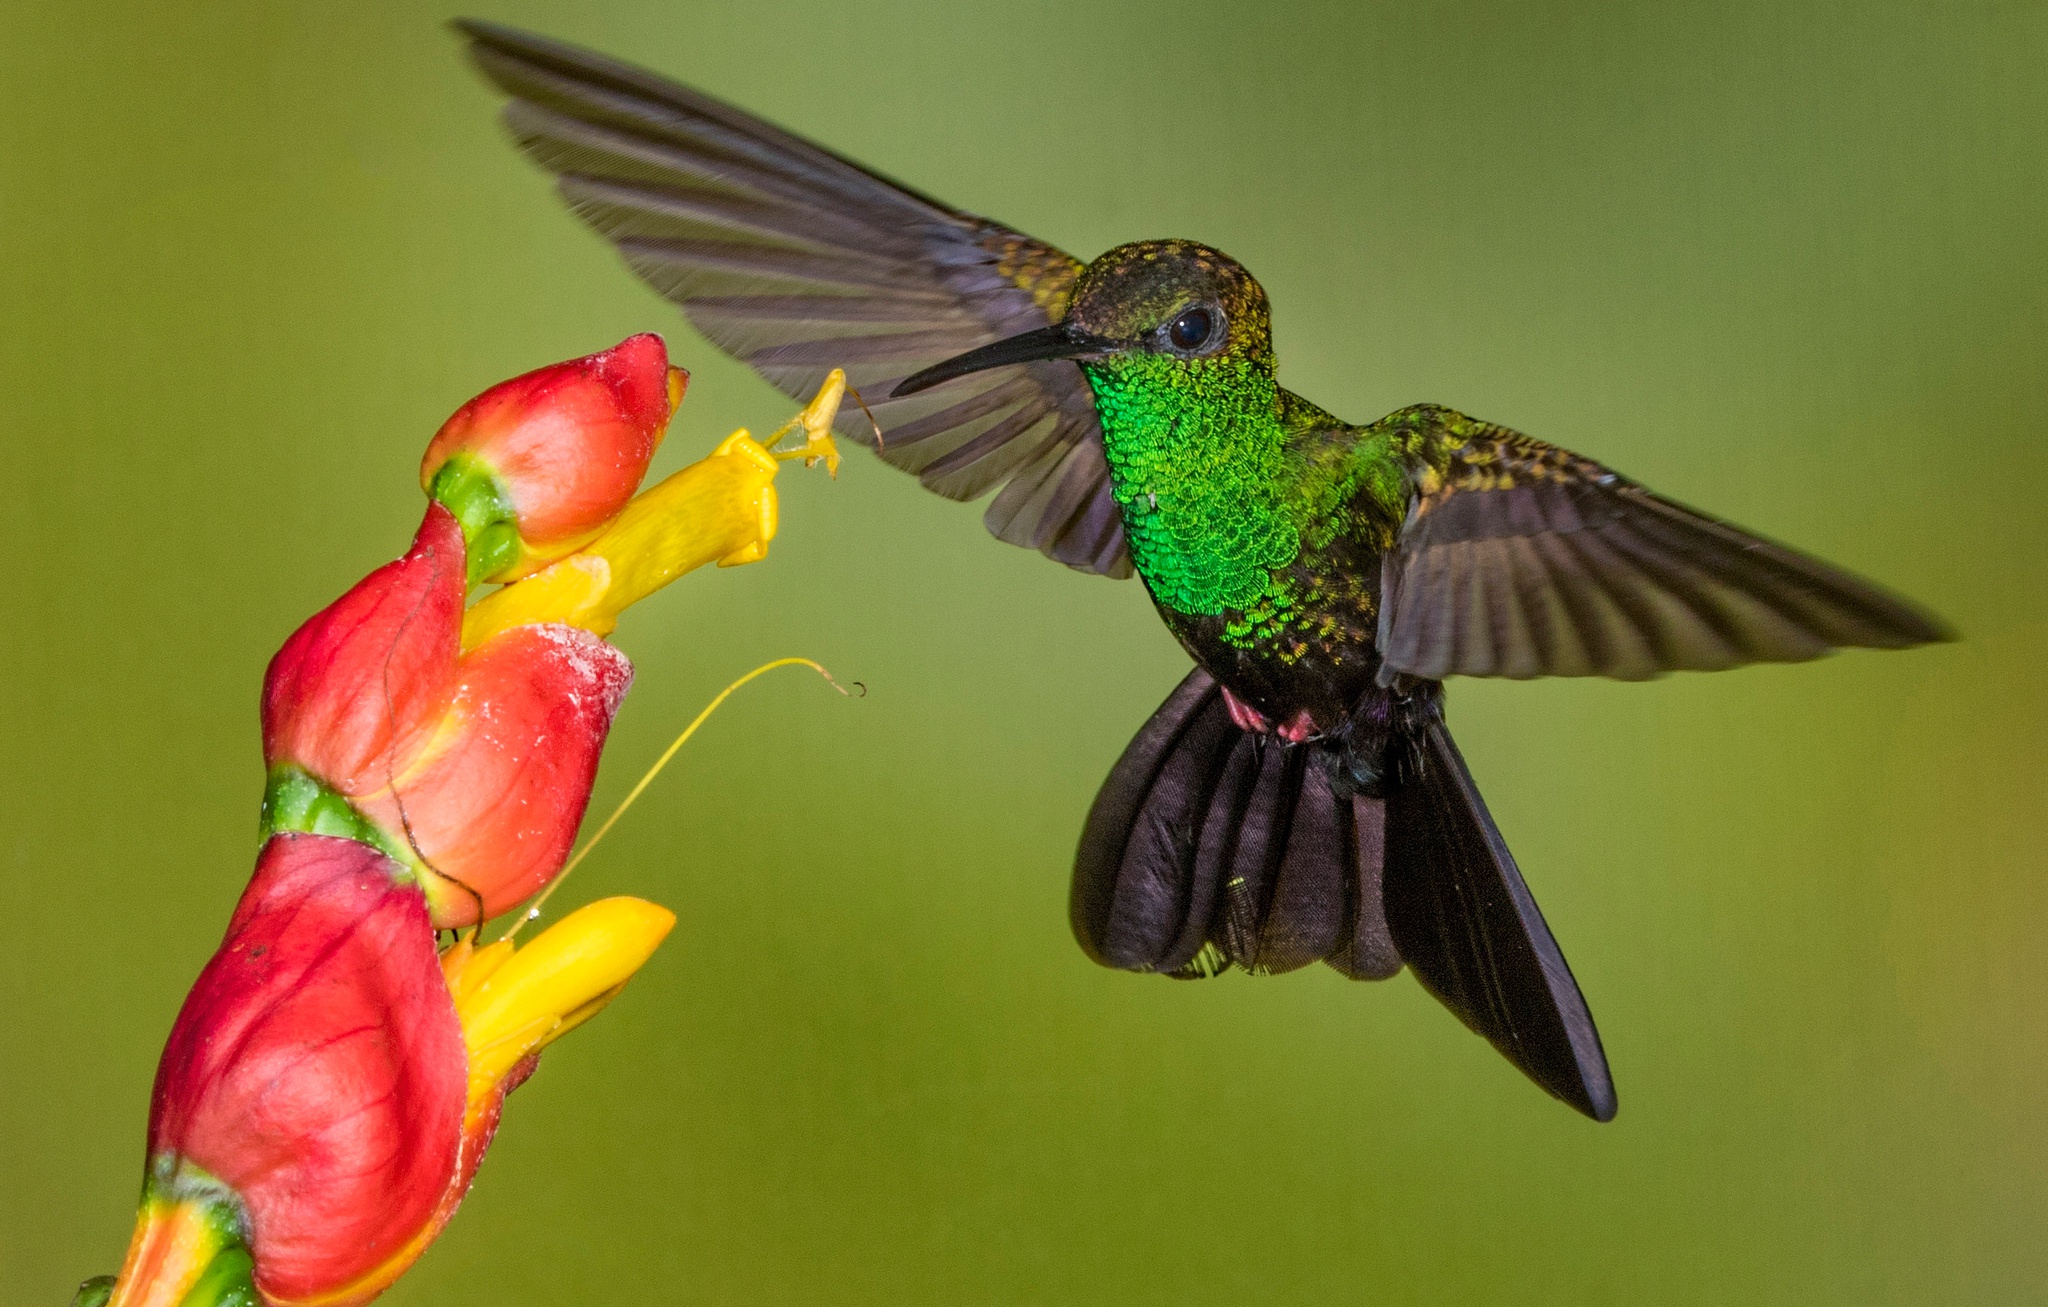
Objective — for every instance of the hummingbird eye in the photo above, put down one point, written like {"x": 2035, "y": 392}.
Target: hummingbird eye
{"x": 1192, "y": 329}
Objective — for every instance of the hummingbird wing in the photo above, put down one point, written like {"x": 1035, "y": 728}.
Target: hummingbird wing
{"x": 1521, "y": 559}
{"x": 795, "y": 261}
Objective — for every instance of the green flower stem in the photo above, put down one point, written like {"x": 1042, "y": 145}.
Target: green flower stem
{"x": 228, "y": 1281}
{"x": 228, "y": 1278}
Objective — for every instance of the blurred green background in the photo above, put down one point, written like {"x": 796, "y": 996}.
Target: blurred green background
{"x": 1785, "y": 262}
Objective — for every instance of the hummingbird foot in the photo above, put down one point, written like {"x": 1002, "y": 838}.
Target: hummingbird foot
{"x": 816, "y": 424}
{"x": 1244, "y": 716}
{"x": 1294, "y": 730}
{"x": 1299, "y": 727}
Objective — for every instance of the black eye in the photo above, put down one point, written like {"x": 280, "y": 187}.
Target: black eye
{"x": 1190, "y": 331}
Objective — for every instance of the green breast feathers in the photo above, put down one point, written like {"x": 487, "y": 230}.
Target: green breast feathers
{"x": 1198, "y": 466}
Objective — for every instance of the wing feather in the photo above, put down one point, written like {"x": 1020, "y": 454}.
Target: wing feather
{"x": 1521, "y": 559}
{"x": 970, "y": 468}
{"x": 796, "y": 260}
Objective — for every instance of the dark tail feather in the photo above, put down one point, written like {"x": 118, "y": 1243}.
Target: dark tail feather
{"x": 1464, "y": 921}
{"x": 1209, "y": 847}
{"x": 1366, "y": 951}
{"x": 1134, "y": 904}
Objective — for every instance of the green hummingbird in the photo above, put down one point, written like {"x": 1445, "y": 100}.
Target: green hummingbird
{"x": 1298, "y": 797}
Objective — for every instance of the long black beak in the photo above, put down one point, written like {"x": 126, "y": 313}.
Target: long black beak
{"x": 1058, "y": 341}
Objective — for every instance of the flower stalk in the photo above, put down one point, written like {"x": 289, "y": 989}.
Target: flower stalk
{"x": 334, "y": 1078}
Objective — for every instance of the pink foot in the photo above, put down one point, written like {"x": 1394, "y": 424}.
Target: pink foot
{"x": 1297, "y": 728}
{"x": 1244, "y": 716}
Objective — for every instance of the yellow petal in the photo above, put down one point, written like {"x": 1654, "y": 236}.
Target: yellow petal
{"x": 489, "y": 1063}
{"x": 556, "y": 982}
{"x": 571, "y": 590}
{"x": 709, "y": 512}
{"x": 466, "y": 967}
{"x": 720, "y": 509}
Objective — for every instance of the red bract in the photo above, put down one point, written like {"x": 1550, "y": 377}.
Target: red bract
{"x": 317, "y": 1068}
{"x": 474, "y": 767}
{"x": 493, "y": 800}
{"x": 366, "y": 676}
{"x": 553, "y": 455}
{"x": 331, "y": 1084}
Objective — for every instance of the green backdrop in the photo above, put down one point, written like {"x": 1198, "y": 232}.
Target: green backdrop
{"x": 1785, "y": 262}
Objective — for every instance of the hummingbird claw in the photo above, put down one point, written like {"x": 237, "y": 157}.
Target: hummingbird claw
{"x": 1244, "y": 716}
{"x": 1294, "y": 730}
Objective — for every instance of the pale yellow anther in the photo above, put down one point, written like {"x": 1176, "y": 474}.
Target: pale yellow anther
{"x": 513, "y": 1002}
{"x": 721, "y": 509}
{"x": 816, "y": 421}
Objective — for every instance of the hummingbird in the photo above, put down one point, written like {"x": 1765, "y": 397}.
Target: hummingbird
{"x": 1298, "y": 798}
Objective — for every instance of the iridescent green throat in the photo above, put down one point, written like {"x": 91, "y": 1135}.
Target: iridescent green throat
{"x": 1198, "y": 464}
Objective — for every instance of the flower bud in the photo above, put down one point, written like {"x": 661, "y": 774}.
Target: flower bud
{"x": 472, "y": 769}
{"x": 537, "y": 465}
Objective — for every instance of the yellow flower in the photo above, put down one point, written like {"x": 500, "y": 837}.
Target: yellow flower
{"x": 513, "y": 1002}
{"x": 719, "y": 509}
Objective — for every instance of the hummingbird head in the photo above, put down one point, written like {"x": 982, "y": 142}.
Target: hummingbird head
{"x": 1176, "y": 298}
{"x": 1171, "y": 298}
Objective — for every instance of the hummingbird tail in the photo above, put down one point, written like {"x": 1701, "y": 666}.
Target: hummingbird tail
{"x": 1210, "y": 847}
{"x": 1467, "y": 926}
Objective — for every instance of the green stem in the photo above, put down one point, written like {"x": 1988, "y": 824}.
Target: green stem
{"x": 228, "y": 1281}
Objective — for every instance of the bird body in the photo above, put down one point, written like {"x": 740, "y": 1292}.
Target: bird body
{"x": 1256, "y": 525}
{"x": 1298, "y": 798}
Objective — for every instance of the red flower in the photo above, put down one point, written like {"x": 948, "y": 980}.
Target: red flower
{"x": 331, "y": 1085}
{"x": 316, "y": 1069}
{"x": 473, "y": 768}
{"x": 537, "y": 465}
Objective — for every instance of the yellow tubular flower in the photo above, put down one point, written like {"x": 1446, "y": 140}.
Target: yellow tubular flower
{"x": 514, "y": 1002}
{"x": 719, "y": 509}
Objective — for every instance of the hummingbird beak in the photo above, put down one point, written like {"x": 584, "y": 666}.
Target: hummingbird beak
{"x": 1059, "y": 341}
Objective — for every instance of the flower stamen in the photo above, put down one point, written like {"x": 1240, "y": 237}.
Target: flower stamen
{"x": 816, "y": 423}
{"x": 639, "y": 788}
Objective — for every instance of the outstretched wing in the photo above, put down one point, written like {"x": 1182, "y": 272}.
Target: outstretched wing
{"x": 796, "y": 261}
{"x": 1521, "y": 559}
